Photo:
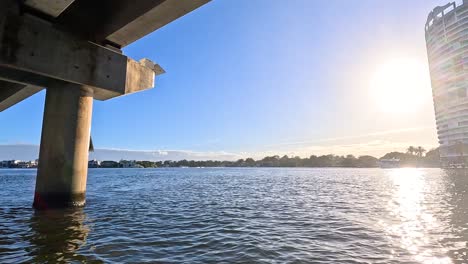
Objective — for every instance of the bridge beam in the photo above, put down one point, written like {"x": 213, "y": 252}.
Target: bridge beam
{"x": 34, "y": 52}
{"x": 115, "y": 22}
{"x": 12, "y": 93}
{"x": 73, "y": 48}
{"x": 63, "y": 156}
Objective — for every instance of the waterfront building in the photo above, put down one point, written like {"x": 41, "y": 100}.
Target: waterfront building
{"x": 447, "y": 48}
{"x": 12, "y": 163}
{"x": 94, "y": 164}
{"x": 34, "y": 163}
{"x": 18, "y": 164}
{"x": 5, "y": 163}
{"x": 23, "y": 165}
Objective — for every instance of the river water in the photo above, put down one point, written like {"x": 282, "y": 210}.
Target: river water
{"x": 243, "y": 216}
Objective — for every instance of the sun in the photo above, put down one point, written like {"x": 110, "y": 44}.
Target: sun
{"x": 400, "y": 86}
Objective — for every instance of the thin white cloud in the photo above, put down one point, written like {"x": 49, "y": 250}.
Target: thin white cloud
{"x": 375, "y": 147}
{"x": 31, "y": 152}
{"x": 373, "y": 134}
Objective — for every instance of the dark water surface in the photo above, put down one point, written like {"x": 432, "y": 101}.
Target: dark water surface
{"x": 243, "y": 216}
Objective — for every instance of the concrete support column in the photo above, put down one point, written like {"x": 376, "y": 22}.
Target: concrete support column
{"x": 63, "y": 157}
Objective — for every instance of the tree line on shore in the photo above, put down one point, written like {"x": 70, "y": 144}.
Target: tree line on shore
{"x": 413, "y": 157}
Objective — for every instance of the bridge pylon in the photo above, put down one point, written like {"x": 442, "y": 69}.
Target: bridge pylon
{"x": 73, "y": 49}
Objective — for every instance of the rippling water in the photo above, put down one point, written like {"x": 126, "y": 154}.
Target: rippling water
{"x": 243, "y": 216}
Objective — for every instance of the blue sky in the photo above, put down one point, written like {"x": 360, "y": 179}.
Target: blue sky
{"x": 255, "y": 77}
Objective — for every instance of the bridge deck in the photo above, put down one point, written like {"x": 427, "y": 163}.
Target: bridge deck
{"x": 115, "y": 22}
{"x": 77, "y": 29}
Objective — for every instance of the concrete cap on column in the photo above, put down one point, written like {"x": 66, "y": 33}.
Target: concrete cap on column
{"x": 158, "y": 70}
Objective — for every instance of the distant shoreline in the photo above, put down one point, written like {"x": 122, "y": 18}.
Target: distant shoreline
{"x": 414, "y": 157}
{"x": 252, "y": 168}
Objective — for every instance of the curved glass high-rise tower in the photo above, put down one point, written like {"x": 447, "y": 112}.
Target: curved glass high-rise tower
{"x": 447, "y": 49}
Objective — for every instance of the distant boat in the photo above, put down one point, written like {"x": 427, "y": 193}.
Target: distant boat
{"x": 389, "y": 163}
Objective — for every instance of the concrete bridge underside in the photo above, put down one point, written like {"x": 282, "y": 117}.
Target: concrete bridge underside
{"x": 72, "y": 48}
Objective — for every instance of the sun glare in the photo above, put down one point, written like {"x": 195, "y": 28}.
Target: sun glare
{"x": 400, "y": 86}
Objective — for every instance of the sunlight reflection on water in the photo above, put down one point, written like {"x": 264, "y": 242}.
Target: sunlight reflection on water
{"x": 412, "y": 222}
{"x": 258, "y": 215}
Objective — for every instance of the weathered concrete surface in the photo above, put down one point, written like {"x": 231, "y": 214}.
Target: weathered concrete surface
{"x": 73, "y": 47}
{"x": 116, "y": 22}
{"x": 153, "y": 19}
{"x": 25, "y": 45}
{"x": 52, "y": 8}
{"x": 12, "y": 93}
{"x": 63, "y": 155}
